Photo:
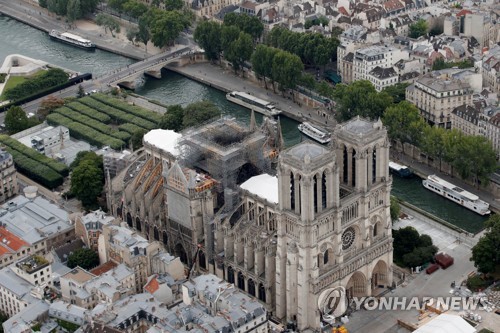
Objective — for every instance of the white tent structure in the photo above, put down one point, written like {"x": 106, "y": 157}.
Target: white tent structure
{"x": 445, "y": 323}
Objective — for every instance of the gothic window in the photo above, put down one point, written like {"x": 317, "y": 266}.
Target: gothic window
{"x": 325, "y": 258}
{"x": 315, "y": 193}
{"x": 165, "y": 238}
{"x": 202, "y": 261}
{"x": 262, "y": 293}
{"x": 138, "y": 225}
{"x": 375, "y": 230}
{"x": 348, "y": 238}
{"x": 353, "y": 168}
{"x": 230, "y": 275}
{"x": 374, "y": 166}
{"x": 241, "y": 281}
{"x": 129, "y": 220}
{"x": 292, "y": 191}
{"x": 156, "y": 234}
{"x": 251, "y": 287}
{"x": 323, "y": 190}
{"x": 345, "y": 164}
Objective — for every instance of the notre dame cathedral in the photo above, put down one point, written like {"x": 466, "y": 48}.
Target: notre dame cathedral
{"x": 310, "y": 217}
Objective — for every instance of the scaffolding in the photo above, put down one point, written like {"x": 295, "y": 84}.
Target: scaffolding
{"x": 228, "y": 150}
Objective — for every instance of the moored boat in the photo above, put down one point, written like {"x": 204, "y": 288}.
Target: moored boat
{"x": 456, "y": 194}
{"x": 314, "y": 132}
{"x": 400, "y": 170}
{"x": 72, "y": 39}
{"x": 253, "y": 103}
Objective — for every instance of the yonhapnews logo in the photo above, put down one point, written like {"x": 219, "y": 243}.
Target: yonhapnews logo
{"x": 332, "y": 303}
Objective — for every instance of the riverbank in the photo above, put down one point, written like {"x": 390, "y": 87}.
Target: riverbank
{"x": 39, "y": 18}
{"x": 423, "y": 170}
{"x": 225, "y": 80}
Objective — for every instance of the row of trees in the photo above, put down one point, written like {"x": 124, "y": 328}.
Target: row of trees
{"x": 72, "y": 9}
{"x": 235, "y": 38}
{"x": 485, "y": 254}
{"x": 473, "y": 157}
{"x": 314, "y": 49}
{"x": 17, "y": 121}
{"x": 277, "y": 65}
{"x": 441, "y": 64}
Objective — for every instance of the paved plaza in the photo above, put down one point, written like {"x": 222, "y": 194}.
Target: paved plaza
{"x": 423, "y": 285}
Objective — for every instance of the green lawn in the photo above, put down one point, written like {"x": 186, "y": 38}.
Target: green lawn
{"x": 15, "y": 80}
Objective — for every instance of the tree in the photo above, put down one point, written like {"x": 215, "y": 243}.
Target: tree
{"x": 419, "y": 256}
{"x": 42, "y": 3}
{"x": 84, "y": 257}
{"x": 108, "y": 22}
{"x": 262, "y": 61}
{"x": 360, "y": 98}
{"x": 228, "y": 35}
{"x": 143, "y": 35}
{"x": 57, "y": 6}
{"x": 132, "y": 34}
{"x": 136, "y": 139}
{"x": 81, "y": 92}
{"x": 418, "y": 29}
{"x": 475, "y": 158}
{"x": 48, "y": 105}
{"x": 433, "y": 143}
{"x": 397, "y": 92}
{"x": 287, "y": 70}
{"x": 117, "y": 4}
{"x": 88, "y": 6}
{"x": 172, "y": 119}
{"x": 87, "y": 183}
{"x": 166, "y": 28}
{"x": 404, "y": 123}
{"x": 81, "y": 156}
{"x": 135, "y": 8}
{"x": 485, "y": 254}
{"x": 240, "y": 50}
{"x": 16, "y": 120}
{"x": 74, "y": 10}
{"x": 173, "y": 4}
{"x": 395, "y": 209}
{"x": 198, "y": 113}
{"x": 208, "y": 35}
{"x": 412, "y": 249}
{"x": 246, "y": 23}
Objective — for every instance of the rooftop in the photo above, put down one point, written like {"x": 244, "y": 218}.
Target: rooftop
{"x": 10, "y": 243}
{"x": 264, "y": 186}
{"x": 33, "y": 220}
{"x": 165, "y": 140}
{"x": 79, "y": 275}
{"x": 32, "y": 264}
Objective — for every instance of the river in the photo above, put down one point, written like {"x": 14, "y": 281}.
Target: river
{"x": 176, "y": 89}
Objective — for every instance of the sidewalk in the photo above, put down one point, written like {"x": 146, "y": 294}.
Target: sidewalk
{"x": 426, "y": 170}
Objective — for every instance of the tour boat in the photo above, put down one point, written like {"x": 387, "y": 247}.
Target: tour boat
{"x": 72, "y": 39}
{"x": 315, "y": 133}
{"x": 400, "y": 170}
{"x": 456, "y": 194}
{"x": 253, "y": 103}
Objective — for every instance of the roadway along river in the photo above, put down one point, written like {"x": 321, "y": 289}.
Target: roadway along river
{"x": 176, "y": 89}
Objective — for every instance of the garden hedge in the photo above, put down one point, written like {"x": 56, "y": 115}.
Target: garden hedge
{"x": 130, "y": 128}
{"x": 89, "y": 112}
{"x": 118, "y": 116}
{"x": 132, "y": 109}
{"x": 31, "y": 153}
{"x": 83, "y": 132}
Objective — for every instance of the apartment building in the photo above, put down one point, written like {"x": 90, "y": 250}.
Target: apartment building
{"x": 383, "y": 77}
{"x": 86, "y": 290}
{"x": 31, "y": 226}
{"x": 468, "y": 120}
{"x": 493, "y": 132}
{"x": 437, "y": 95}
{"x": 8, "y": 176}
{"x": 366, "y": 59}
{"x": 125, "y": 246}
{"x": 18, "y": 283}
{"x": 89, "y": 227}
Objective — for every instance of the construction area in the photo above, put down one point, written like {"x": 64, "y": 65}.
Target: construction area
{"x": 230, "y": 151}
